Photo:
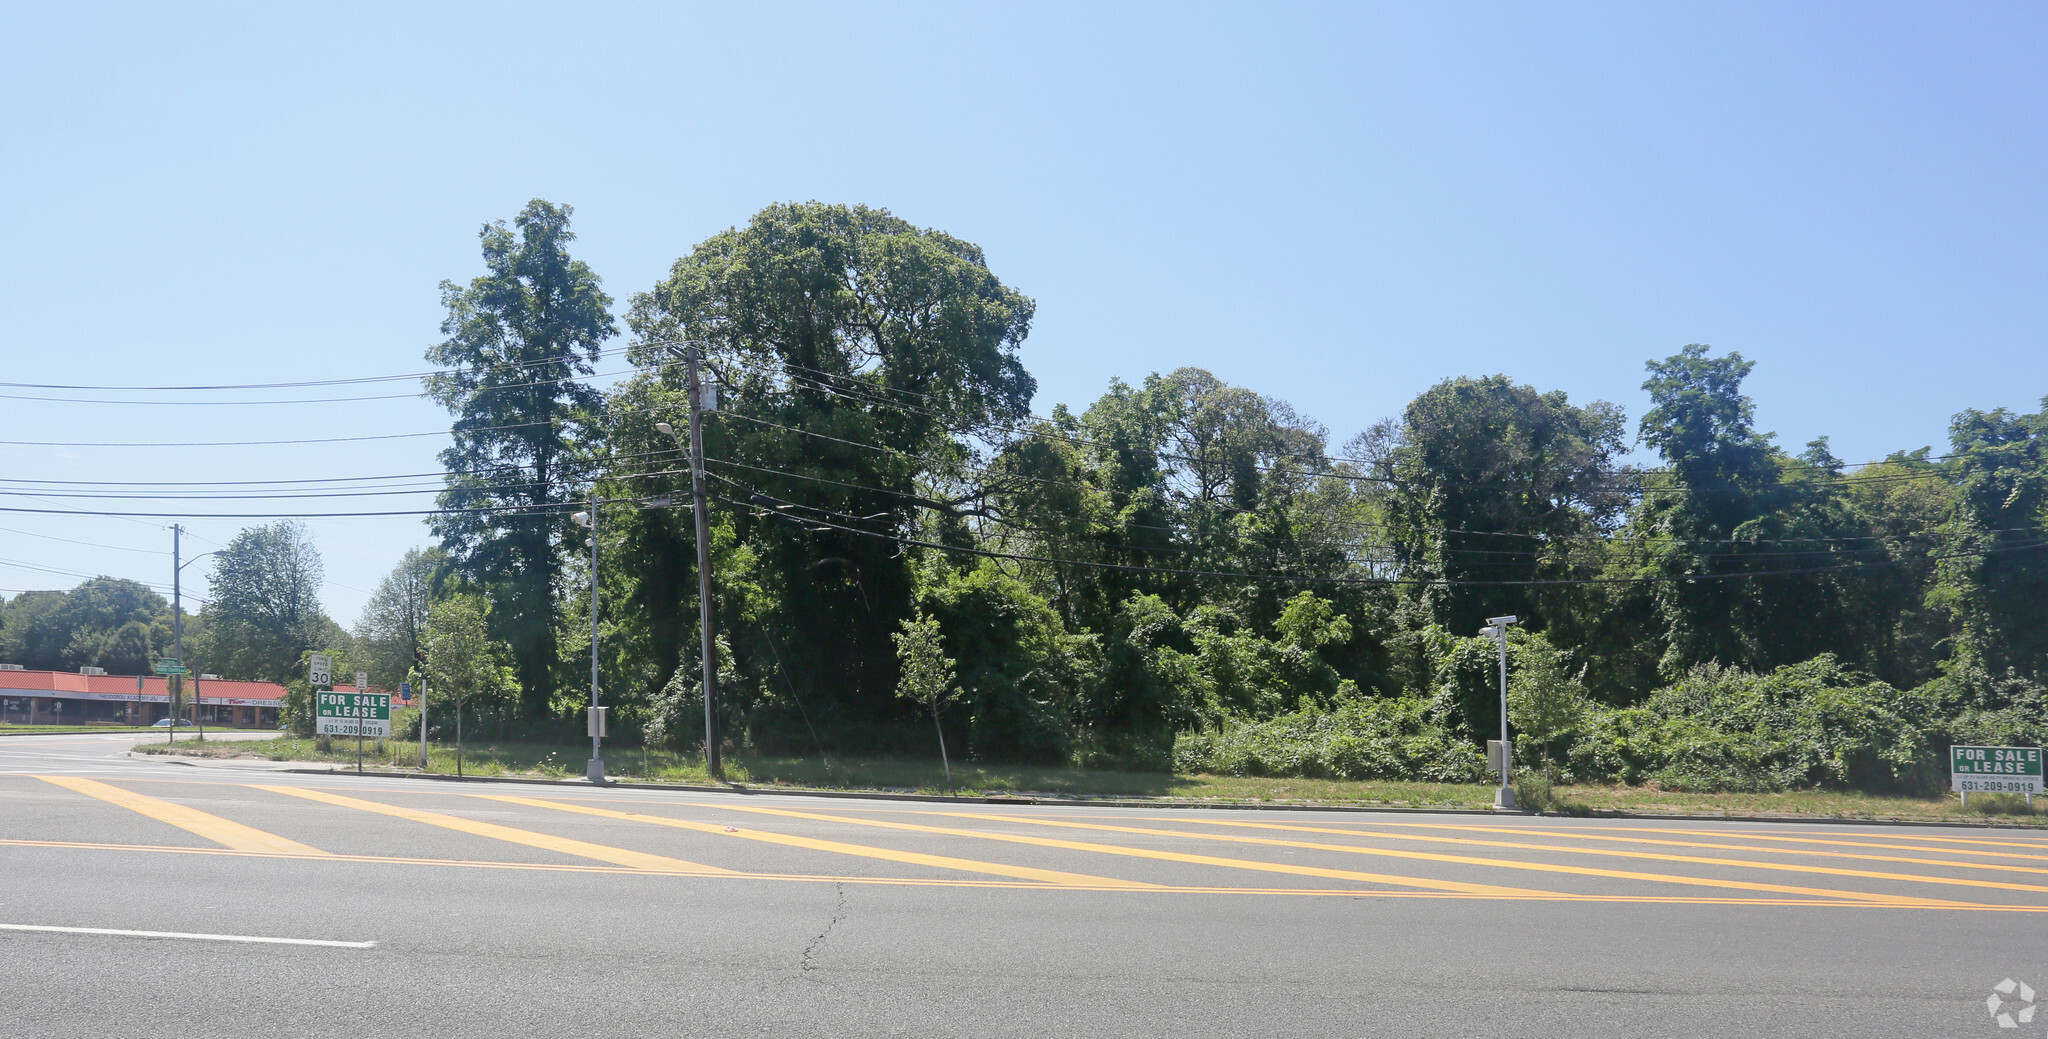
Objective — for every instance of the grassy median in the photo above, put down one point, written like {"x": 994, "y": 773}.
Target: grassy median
{"x": 629, "y": 764}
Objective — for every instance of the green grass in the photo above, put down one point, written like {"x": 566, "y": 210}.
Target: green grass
{"x": 912, "y": 776}
{"x": 1831, "y": 804}
{"x": 80, "y": 728}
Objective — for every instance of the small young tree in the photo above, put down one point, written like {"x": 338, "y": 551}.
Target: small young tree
{"x": 462, "y": 660}
{"x": 927, "y": 673}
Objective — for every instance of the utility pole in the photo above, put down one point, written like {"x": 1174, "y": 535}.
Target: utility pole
{"x": 419, "y": 656}
{"x": 1497, "y": 627}
{"x": 700, "y": 506}
{"x": 594, "y": 770}
{"x": 177, "y": 682}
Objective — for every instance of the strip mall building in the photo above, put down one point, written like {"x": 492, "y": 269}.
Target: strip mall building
{"x": 62, "y": 698}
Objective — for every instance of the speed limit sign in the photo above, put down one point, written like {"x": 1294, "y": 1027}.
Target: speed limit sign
{"x": 320, "y": 674}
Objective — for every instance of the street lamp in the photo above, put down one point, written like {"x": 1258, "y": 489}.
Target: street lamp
{"x": 1497, "y": 629}
{"x": 178, "y": 634}
{"x": 594, "y": 770}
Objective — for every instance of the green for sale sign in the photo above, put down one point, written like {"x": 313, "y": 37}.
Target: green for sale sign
{"x": 1995, "y": 770}
{"x": 352, "y": 714}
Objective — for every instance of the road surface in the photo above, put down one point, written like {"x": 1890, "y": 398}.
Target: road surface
{"x": 139, "y": 897}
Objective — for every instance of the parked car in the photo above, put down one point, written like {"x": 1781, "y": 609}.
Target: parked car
{"x": 171, "y": 723}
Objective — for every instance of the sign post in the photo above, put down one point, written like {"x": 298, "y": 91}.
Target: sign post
{"x": 1995, "y": 770}
{"x": 352, "y": 714}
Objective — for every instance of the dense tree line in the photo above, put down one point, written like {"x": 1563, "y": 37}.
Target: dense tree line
{"x": 1183, "y": 571}
{"x": 1183, "y": 558}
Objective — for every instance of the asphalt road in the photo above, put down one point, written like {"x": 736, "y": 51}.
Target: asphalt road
{"x": 486, "y": 909}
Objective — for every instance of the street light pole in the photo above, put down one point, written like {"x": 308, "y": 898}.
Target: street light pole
{"x": 594, "y": 771}
{"x": 177, "y": 630}
{"x": 693, "y": 359}
{"x": 1498, "y": 628}
{"x": 178, "y": 634}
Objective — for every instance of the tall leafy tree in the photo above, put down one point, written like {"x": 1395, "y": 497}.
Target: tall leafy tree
{"x": 1751, "y": 547}
{"x": 854, "y": 346}
{"x": 1491, "y": 480}
{"x": 520, "y": 336}
{"x": 265, "y": 608}
{"x": 2000, "y": 518}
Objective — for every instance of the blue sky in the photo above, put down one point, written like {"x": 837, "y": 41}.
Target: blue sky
{"x": 1336, "y": 205}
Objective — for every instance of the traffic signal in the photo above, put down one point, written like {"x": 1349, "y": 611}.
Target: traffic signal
{"x": 419, "y": 657}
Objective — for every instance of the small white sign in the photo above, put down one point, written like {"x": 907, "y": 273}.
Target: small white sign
{"x": 320, "y": 672}
{"x": 362, "y": 681}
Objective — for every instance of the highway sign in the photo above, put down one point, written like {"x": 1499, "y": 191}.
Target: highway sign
{"x": 352, "y": 714}
{"x": 170, "y": 666}
{"x": 1995, "y": 770}
{"x": 405, "y": 691}
{"x": 320, "y": 671}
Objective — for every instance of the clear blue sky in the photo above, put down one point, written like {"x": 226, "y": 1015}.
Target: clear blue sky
{"x": 1335, "y": 205}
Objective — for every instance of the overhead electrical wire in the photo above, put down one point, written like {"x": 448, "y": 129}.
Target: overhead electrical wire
{"x": 352, "y": 381}
{"x": 312, "y": 400}
{"x": 1372, "y": 581}
{"x": 1620, "y": 475}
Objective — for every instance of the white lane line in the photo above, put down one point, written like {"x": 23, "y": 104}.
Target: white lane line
{"x": 256, "y": 939}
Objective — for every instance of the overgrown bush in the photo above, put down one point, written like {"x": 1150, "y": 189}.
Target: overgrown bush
{"x": 1804, "y": 725}
{"x": 1361, "y": 738}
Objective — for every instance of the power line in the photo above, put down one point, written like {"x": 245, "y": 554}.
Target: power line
{"x": 274, "y": 443}
{"x": 1369, "y": 581}
{"x": 1622, "y": 476}
{"x": 437, "y": 473}
{"x": 87, "y": 544}
{"x": 354, "y": 381}
{"x": 293, "y": 515}
{"x": 315, "y": 400}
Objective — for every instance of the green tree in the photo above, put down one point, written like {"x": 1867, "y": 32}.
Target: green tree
{"x": 394, "y": 620}
{"x": 519, "y": 338}
{"x": 1698, "y": 516}
{"x": 66, "y": 630}
{"x": 852, "y": 345}
{"x": 464, "y": 663}
{"x": 1492, "y": 481}
{"x": 2000, "y": 517}
{"x": 927, "y": 673}
{"x": 128, "y": 650}
{"x": 265, "y": 608}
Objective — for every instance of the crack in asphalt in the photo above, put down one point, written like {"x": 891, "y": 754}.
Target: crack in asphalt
{"x": 804, "y": 963}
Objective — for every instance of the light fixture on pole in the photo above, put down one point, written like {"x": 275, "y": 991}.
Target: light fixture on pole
{"x": 594, "y": 770}
{"x": 1497, "y": 629}
{"x": 178, "y": 633}
{"x": 695, "y": 388}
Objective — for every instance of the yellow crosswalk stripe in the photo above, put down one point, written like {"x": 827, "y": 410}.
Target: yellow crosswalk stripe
{"x": 1837, "y": 842}
{"x": 547, "y": 842}
{"x": 1164, "y": 856}
{"x": 1783, "y": 867}
{"x": 1048, "y": 876}
{"x": 1541, "y": 867}
{"x": 1349, "y": 893}
{"x": 1984, "y": 841}
{"x": 225, "y": 832}
{"x": 1714, "y": 845}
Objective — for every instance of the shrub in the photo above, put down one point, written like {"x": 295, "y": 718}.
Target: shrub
{"x": 1361, "y": 738}
{"x": 1804, "y": 725}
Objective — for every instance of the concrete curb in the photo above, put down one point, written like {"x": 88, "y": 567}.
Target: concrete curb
{"x": 1108, "y": 802}
{"x": 855, "y": 795}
